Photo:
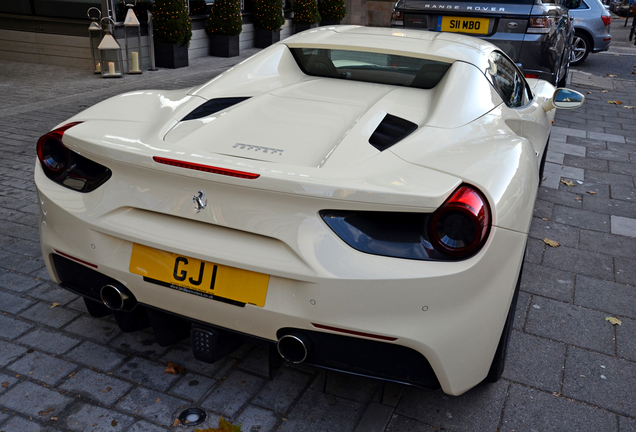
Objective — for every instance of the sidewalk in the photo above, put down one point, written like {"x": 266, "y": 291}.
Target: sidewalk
{"x": 568, "y": 368}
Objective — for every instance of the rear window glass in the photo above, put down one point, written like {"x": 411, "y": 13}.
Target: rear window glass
{"x": 370, "y": 67}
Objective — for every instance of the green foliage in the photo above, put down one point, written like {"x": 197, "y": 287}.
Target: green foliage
{"x": 332, "y": 10}
{"x": 225, "y": 18}
{"x": 268, "y": 14}
{"x": 305, "y": 12}
{"x": 171, "y": 23}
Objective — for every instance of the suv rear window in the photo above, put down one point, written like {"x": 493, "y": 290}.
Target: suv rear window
{"x": 370, "y": 67}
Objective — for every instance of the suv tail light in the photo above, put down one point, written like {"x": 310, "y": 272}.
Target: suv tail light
{"x": 607, "y": 19}
{"x": 461, "y": 225}
{"x": 540, "y": 24}
{"x": 397, "y": 18}
{"x": 66, "y": 167}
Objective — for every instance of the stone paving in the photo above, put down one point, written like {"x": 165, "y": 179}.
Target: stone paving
{"x": 568, "y": 368}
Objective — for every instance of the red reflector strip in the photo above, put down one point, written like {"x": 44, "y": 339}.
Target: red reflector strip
{"x": 75, "y": 259}
{"x": 356, "y": 333}
{"x": 532, "y": 76}
{"x": 206, "y": 168}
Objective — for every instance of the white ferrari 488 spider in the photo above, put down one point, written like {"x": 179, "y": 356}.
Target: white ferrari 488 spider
{"x": 354, "y": 198}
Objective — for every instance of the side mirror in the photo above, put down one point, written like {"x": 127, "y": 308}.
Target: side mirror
{"x": 565, "y": 99}
{"x": 572, "y": 4}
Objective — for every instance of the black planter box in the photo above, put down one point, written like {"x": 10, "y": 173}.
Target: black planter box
{"x": 171, "y": 56}
{"x": 265, "y": 38}
{"x": 302, "y": 27}
{"x": 329, "y": 23}
{"x": 224, "y": 45}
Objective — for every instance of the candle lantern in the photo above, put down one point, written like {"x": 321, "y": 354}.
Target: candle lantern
{"x": 95, "y": 37}
{"x": 133, "y": 55}
{"x": 110, "y": 56}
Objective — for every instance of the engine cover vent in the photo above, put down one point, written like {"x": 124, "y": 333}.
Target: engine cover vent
{"x": 212, "y": 106}
{"x": 390, "y": 131}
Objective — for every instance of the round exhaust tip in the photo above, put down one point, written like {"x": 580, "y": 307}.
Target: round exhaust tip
{"x": 115, "y": 298}
{"x": 294, "y": 347}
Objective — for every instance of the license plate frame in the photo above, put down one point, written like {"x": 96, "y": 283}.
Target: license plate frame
{"x": 469, "y": 25}
{"x": 202, "y": 278}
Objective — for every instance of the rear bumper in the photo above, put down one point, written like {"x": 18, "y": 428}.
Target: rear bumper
{"x": 450, "y": 313}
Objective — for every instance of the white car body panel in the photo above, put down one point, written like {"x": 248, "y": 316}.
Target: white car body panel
{"x": 451, "y": 312}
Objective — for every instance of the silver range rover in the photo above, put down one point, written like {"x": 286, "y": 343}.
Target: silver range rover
{"x": 536, "y": 34}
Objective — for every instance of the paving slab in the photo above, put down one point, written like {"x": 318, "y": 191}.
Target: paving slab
{"x": 535, "y": 361}
{"x": 85, "y": 417}
{"x": 101, "y": 388}
{"x": 42, "y": 367}
{"x": 530, "y": 409}
{"x": 601, "y": 380}
{"x": 30, "y": 399}
{"x": 606, "y": 296}
{"x": 280, "y": 393}
{"x": 570, "y": 324}
{"x": 317, "y": 412}
{"x": 477, "y": 409}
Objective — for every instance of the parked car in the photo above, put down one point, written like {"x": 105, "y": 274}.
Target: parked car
{"x": 354, "y": 198}
{"x": 535, "y": 34}
{"x": 591, "y": 30}
{"x": 621, "y": 7}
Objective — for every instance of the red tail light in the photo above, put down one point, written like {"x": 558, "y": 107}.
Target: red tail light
{"x": 461, "y": 225}
{"x": 607, "y": 19}
{"x": 397, "y": 15}
{"x": 206, "y": 168}
{"x": 540, "y": 24}
{"x": 67, "y": 168}
{"x": 532, "y": 76}
{"x": 51, "y": 151}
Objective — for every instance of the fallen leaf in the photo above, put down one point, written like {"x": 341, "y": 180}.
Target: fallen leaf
{"x": 224, "y": 426}
{"x": 54, "y": 418}
{"x": 174, "y": 369}
{"x": 591, "y": 192}
{"x": 628, "y": 107}
{"x": 589, "y": 92}
{"x": 158, "y": 400}
{"x": 634, "y": 72}
{"x": 604, "y": 91}
{"x": 612, "y": 75}
{"x": 567, "y": 183}
{"x": 113, "y": 423}
{"x": 54, "y": 305}
{"x": 545, "y": 218}
{"x": 615, "y": 102}
{"x": 5, "y": 384}
{"x": 551, "y": 243}
{"x": 577, "y": 198}
{"x": 176, "y": 423}
{"x": 613, "y": 320}
{"x": 43, "y": 413}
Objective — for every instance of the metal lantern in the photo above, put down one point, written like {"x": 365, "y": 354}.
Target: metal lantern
{"x": 133, "y": 57}
{"x": 95, "y": 36}
{"x": 110, "y": 56}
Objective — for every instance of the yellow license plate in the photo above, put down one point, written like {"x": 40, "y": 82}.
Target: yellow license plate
{"x": 198, "y": 277}
{"x": 463, "y": 25}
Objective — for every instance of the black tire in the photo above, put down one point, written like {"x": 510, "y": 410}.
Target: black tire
{"x": 498, "y": 363}
{"x": 581, "y": 48}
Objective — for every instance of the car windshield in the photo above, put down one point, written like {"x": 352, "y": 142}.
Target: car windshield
{"x": 370, "y": 67}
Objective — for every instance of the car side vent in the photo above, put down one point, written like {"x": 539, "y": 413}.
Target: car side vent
{"x": 212, "y": 106}
{"x": 391, "y": 130}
